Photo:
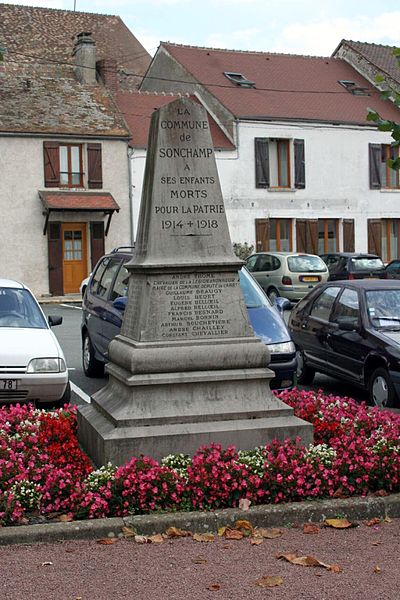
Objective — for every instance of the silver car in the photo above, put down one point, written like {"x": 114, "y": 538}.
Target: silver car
{"x": 32, "y": 364}
{"x": 288, "y": 274}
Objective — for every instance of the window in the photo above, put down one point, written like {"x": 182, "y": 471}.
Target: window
{"x": 384, "y": 238}
{"x": 327, "y": 235}
{"x": 380, "y": 174}
{"x": 280, "y": 233}
{"x": 323, "y": 304}
{"x": 266, "y": 262}
{"x": 120, "y": 287}
{"x": 239, "y": 79}
{"x": 279, "y": 161}
{"x": 347, "y": 305}
{"x": 64, "y": 165}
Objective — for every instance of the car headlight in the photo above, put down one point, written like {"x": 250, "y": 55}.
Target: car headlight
{"x": 46, "y": 365}
{"x": 282, "y": 348}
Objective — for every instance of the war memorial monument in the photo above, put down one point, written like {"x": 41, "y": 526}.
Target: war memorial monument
{"x": 186, "y": 369}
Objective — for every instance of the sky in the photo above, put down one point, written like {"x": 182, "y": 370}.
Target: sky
{"x": 308, "y": 27}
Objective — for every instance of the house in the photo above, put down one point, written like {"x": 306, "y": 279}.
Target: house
{"x": 305, "y": 173}
{"x": 64, "y": 185}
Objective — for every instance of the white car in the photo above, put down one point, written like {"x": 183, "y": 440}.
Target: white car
{"x": 32, "y": 363}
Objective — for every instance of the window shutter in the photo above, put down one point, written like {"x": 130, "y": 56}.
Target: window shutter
{"x": 348, "y": 235}
{"x": 262, "y": 162}
{"x": 301, "y": 235}
{"x": 312, "y": 236}
{"x": 54, "y": 244}
{"x": 299, "y": 165}
{"x": 374, "y": 236}
{"x": 95, "y": 175}
{"x": 96, "y": 242}
{"x": 262, "y": 235}
{"x": 374, "y": 166}
{"x": 51, "y": 155}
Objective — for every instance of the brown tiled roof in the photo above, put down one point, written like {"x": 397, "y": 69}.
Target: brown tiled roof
{"x": 286, "y": 86}
{"x": 137, "y": 108}
{"x": 78, "y": 201}
{"x": 45, "y": 37}
{"x": 380, "y": 56}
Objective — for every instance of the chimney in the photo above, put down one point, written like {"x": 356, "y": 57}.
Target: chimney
{"x": 85, "y": 58}
{"x": 107, "y": 69}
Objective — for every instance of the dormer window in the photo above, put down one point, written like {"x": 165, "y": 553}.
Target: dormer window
{"x": 353, "y": 88}
{"x": 239, "y": 79}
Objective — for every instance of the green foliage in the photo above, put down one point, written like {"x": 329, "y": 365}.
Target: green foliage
{"x": 243, "y": 251}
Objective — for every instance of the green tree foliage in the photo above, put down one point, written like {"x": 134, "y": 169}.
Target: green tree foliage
{"x": 243, "y": 251}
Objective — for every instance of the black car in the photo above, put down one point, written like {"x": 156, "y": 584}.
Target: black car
{"x": 393, "y": 269}
{"x": 105, "y": 299}
{"x": 351, "y": 330}
{"x": 351, "y": 265}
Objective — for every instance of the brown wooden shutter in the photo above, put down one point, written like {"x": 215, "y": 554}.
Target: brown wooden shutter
{"x": 95, "y": 174}
{"x": 312, "y": 236}
{"x": 301, "y": 235}
{"x": 348, "y": 235}
{"x": 96, "y": 242}
{"x": 262, "y": 235}
{"x": 375, "y": 236}
{"x": 261, "y": 162}
{"x": 375, "y": 156}
{"x": 56, "y": 286}
{"x": 299, "y": 165}
{"x": 51, "y": 155}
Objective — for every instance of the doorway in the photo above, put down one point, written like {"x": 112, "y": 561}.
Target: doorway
{"x": 74, "y": 253}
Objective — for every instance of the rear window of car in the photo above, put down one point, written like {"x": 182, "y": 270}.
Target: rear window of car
{"x": 306, "y": 263}
{"x": 366, "y": 264}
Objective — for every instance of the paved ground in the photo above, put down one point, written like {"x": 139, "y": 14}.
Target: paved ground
{"x": 183, "y": 569}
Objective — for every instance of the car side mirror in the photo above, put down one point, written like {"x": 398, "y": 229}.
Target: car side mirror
{"x": 120, "y": 303}
{"x": 54, "y": 320}
{"x": 347, "y": 323}
{"x": 282, "y": 304}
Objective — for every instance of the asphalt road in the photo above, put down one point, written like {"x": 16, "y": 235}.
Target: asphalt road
{"x": 68, "y": 335}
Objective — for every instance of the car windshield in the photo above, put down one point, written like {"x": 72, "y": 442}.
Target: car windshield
{"x": 18, "y": 308}
{"x": 366, "y": 264}
{"x": 306, "y": 263}
{"x": 253, "y": 296}
{"x": 383, "y": 307}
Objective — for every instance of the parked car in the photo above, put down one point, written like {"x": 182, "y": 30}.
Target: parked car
{"x": 351, "y": 330}
{"x": 288, "y": 274}
{"x": 32, "y": 364}
{"x": 393, "y": 269}
{"x": 105, "y": 300}
{"x": 351, "y": 265}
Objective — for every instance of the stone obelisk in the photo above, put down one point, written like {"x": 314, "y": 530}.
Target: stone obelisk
{"x": 186, "y": 369}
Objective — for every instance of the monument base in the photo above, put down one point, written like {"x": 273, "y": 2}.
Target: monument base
{"x": 171, "y": 413}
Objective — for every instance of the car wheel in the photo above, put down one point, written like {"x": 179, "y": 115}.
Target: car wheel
{"x": 91, "y": 366}
{"x": 305, "y": 374}
{"x": 381, "y": 389}
{"x": 273, "y": 294}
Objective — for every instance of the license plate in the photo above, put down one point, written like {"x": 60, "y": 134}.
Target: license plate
{"x": 309, "y": 278}
{"x": 8, "y": 384}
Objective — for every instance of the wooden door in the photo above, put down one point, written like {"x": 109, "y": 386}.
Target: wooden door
{"x": 74, "y": 256}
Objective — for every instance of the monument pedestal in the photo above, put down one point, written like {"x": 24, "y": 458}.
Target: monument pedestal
{"x": 186, "y": 369}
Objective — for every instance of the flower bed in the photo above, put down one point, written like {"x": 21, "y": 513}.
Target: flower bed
{"x": 356, "y": 451}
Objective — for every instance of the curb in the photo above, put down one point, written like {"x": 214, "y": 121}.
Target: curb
{"x": 315, "y": 511}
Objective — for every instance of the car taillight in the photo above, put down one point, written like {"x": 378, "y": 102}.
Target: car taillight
{"x": 351, "y": 276}
{"x": 286, "y": 280}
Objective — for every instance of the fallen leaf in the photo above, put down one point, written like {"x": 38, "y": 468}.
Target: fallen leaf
{"x": 222, "y": 530}
{"x": 256, "y": 541}
{"x": 108, "y": 541}
{"x": 308, "y": 561}
{"x": 46, "y": 563}
{"x": 244, "y": 504}
{"x": 269, "y": 534}
{"x": 199, "y": 560}
{"x": 340, "y": 493}
{"x": 387, "y": 520}
{"x": 156, "y": 539}
{"x": 174, "y": 532}
{"x": 270, "y": 581}
{"x": 233, "y": 534}
{"x": 246, "y": 525}
{"x": 381, "y": 493}
{"x": 338, "y": 523}
{"x": 377, "y": 569}
{"x": 214, "y": 587}
{"x": 376, "y": 543}
{"x": 141, "y": 539}
{"x": 203, "y": 537}
{"x": 128, "y": 532}
{"x": 310, "y": 528}
{"x": 65, "y": 518}
{"x": 373, "y": 521}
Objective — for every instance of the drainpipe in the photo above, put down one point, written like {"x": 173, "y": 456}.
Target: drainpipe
{"x": 131, "y": 152}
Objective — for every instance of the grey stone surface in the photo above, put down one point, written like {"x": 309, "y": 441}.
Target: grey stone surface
{"x": 186, "y": 369}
